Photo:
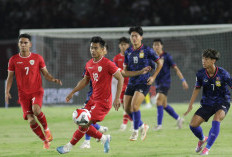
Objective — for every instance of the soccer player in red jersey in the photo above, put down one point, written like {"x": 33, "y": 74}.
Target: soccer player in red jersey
{"x": 100, "y": 71}
{"x": 27, "y": 67}
{"x": 124, "y": 44}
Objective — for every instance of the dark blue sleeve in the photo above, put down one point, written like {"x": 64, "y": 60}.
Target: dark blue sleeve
{"x": 152, "y": 55}
{"x": 126, "y": 58}
{"x": 228, "y": 79}
{"x": 170, "y": 61}
{"x": 198, "y": 80}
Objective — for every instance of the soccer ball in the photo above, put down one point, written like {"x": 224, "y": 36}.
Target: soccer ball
{"x": 81, "y": 116}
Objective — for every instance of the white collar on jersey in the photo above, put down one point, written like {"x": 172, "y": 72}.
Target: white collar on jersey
{"x": 99, "y": 60}
{"x": 24, "y": 57}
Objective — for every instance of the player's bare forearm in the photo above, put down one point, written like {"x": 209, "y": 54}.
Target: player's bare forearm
{"x": 49, "y": 77}
{"x": 9, "y": 83}
{"x": 120, "y": 79}
{"x": 180, "y": 75}
{"x": 178, "y": 72}
{"x": 192, "y": 100}
{"x": 80, "y": 85}
{"x": 8, "y": 86}
{"x": 127, "y": 73}
{"x": 159, "y": 67}
{"x": 194, "y": 95}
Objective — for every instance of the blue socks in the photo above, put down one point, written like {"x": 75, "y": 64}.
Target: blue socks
{"x": 136, "y": 116}
{"x": 160, "y": 113}
{"x": 97, "y": 126}
{"x": 213, "y": 133}
{"x": 171, "y": 112}
{"x": 197, "y": 131}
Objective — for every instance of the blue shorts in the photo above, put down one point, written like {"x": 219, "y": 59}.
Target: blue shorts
{"x": 206, "y": 111}
{"x": 163, "y": 90}
{"x": 142, "y": 88}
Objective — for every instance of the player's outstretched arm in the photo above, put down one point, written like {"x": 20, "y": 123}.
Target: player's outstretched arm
{"x": 80, "y": 85}
{"x": 120, "y": 79}
{"x": 49, "y": 77}
{"x": 179, "y": 74}
{"x": 8, "y": 86}
{"x": 193, "y": 98}
{"x": 126, "y": 73}
{"x": 157, "y": 70}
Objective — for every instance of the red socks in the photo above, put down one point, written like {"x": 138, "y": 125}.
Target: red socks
{"x": 91, "y": 131}
{"x": 37, "y": 130}
{"x": 126, "y": 117}
{"x": 42, "y": 119}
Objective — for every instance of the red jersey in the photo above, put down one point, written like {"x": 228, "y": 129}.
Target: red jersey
{"x": 101, "y": 74}
{"x": 27, "y": 72}
{"x": 119, "y": 60}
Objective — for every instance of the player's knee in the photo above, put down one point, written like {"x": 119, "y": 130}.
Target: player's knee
{"x": 193, "y": 124}
{"x": 31, "y": 119}
{"x": 135, "y": 107}
{"x": 36, "y": 110}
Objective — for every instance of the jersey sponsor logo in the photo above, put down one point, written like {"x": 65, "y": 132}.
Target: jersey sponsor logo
{"x": 120, "y": 59}
{"x": 218, "y": 82}
{"x": 19, "y": 62}
{"x": 90, "y": 67}
{"x": 141, "y": 54}
{"x": 99, "y": 68}
{"x": 32, "y": 62}
{"x": 135, "y": 59}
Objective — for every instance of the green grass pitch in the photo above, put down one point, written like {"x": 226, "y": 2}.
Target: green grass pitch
{"x": 17, "y": 139}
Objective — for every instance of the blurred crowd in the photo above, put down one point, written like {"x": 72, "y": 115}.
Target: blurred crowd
{"x": 29, "y": 14}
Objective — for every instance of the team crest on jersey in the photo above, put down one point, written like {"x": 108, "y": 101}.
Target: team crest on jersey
{"x": 32, "y": 62}
{"x": 141, "y": 54}
{"x": 218, "y": 82}
{"x": 100, "y": 68}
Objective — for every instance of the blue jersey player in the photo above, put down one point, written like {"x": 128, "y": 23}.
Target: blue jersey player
{"x": 137, "y": 67}
{"x": 102, "y": 129}
{"x": 215, "y": 99}
{"x": 163, "y": 82}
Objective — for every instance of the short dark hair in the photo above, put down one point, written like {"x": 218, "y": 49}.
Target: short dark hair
{"x": 99, "y": 40}
{"x": 123, "y": 40}
{"x": 137, "y": 29}
{"x": 25, "y": 36}
{"x": 158, "y": 40}
{"x": 211, "y": 53}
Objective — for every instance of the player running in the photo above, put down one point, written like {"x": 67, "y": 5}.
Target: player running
{"x": 28, "y": 67}
{"x": 102, "y": 129}
{"x": 138, "y": 58}
{"x": 100, "y": 71}
{"x": 163, "y": 82}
